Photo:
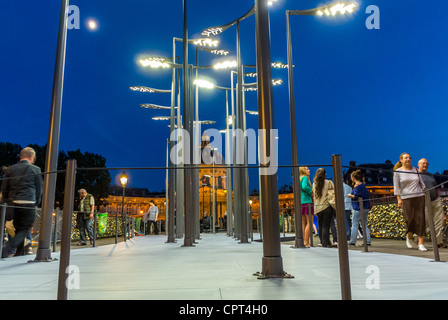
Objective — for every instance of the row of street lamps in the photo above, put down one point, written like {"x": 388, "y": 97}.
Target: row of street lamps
{"x": 272, "y": 262}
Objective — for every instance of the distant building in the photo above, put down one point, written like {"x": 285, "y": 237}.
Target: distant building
{"x": 378, "y": 177}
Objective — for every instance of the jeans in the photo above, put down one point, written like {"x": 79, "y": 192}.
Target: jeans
{"x": 356, "y": 220}
{"x": 85, "y": 224}
{"x": 23, "y": 222}
{"x": 348, "y": 222}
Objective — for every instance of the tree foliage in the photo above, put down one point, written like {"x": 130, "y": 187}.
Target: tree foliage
{"x": 96, "y": 182}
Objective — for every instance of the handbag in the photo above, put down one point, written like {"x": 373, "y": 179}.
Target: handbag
{"x": 331, "y": 196}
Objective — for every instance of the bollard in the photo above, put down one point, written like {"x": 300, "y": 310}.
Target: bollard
{"x": 2, "y": 226}
{"x": 432, "y": 229}
{"x": 363, "y": 223}
{"x": 341, "y": 228}
{"x": 55, "y": 229}
{"x": 95, "y": 225}
{"x": 66, "y": 230}
{"x": 116, "y": 227}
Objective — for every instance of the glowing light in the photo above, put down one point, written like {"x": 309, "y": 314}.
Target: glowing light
{"x": 338, "y": 8}
{"x": 226, "y": 65}
{"x": 92, "y": 24}
{"x": 155, "y": 63}
{"x": 204, "y": 83}
{"x": 206, "y": 42}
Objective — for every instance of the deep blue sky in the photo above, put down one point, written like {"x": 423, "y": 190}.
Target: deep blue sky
{"x": 368, "y": 95}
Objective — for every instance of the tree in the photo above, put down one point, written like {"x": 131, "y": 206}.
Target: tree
{"x": 96, "y": 182}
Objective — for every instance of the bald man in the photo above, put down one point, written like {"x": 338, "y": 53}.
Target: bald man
{"x": 436, "y": 202}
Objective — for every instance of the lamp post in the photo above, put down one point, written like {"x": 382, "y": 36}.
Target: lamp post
{"x": 124, "y": 182}
{"x": 51, "y": 161}
{"x": 333, "y": 9}
{"x": 272, "y": 264}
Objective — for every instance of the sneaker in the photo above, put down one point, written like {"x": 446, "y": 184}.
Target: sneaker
{"x": 408, "y": 243}
{"x": 422, "y": 248}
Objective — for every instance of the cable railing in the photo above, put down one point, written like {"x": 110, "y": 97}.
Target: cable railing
{"x": 384, "y": 219}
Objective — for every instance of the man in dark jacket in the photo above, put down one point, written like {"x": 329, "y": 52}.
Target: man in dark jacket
{"x": 22, "y": 190}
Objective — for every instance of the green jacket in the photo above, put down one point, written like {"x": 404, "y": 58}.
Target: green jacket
{"x": 84, "y": 205}
{"x": 305, "y": 187}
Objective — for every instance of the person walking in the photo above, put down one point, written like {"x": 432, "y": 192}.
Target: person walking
{"x": 22, "y": 188}
{"x": 436, "y": 202}
{"x": 306, "y": 198}
{"x": 322, "y": 207}
{"x": 359, "y": 191}
{"x": 85, "y": 216}
{"x": 153, "y": 216}
{"x": 409, "y": 189}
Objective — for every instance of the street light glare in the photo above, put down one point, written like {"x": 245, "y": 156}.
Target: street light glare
{"x": 204, "y": 83}
{"x": 226, "y": 65}
{"x": 206, "y": 42}
{"x": 338, "y": 8}
{"x": 154, "y": 63}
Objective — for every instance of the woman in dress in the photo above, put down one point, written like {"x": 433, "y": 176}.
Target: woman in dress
{"x": 408, "y": 187}
{"x": 322, "y": 207}
{"x": 306, "y": 198}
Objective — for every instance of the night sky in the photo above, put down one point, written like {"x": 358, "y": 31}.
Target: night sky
{"x": 368, "y": 95}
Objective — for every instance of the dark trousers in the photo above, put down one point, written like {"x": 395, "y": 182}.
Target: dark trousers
{"x": 324, "y": 218}
{"x": 23, "y": 222}
{"x": 154, "y": 223}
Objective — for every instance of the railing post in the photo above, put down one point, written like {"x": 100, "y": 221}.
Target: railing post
{"x": 341, "y": 228}
{"x": 55, "y": 229}
{"x": 2, "y": 226}
{"x": 95, "y": 225}
{"x": 66, "y": 231}
{"x": 364, "y": 223}
{"x": 430, "y": 219}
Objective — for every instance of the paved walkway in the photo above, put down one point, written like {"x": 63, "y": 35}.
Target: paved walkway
{"x": 219, "y": 268}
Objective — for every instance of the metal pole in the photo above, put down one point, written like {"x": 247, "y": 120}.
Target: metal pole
{"x": 299, "y": 243}
{"x": 2, "y": 226}
{"x": 95, "y": 226}
{"x": 123, "y": 218}
{"x": 116, "y": 227}
{"x": 66, "y": 230}
{"x": 364, "y": 223}
{"x": 240, "y": 144}
{"x": 51, "y": 161}
{"x": 55, "y": 228}
{"x": 272, "y": 263}
{"x": 430, "y": 219}
{"x": 344, "y": 268}
{"x": 189, "y": 213}
{"x": 228, "y": 172}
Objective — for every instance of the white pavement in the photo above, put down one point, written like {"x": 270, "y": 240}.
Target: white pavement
{"x": 219, "y": 268}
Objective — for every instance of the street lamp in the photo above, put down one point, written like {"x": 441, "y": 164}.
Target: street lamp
{"x": 332, "y": 9}
{"x": 124, "y": 182}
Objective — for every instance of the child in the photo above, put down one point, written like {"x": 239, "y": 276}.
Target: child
{"x": 359, "y": 191}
